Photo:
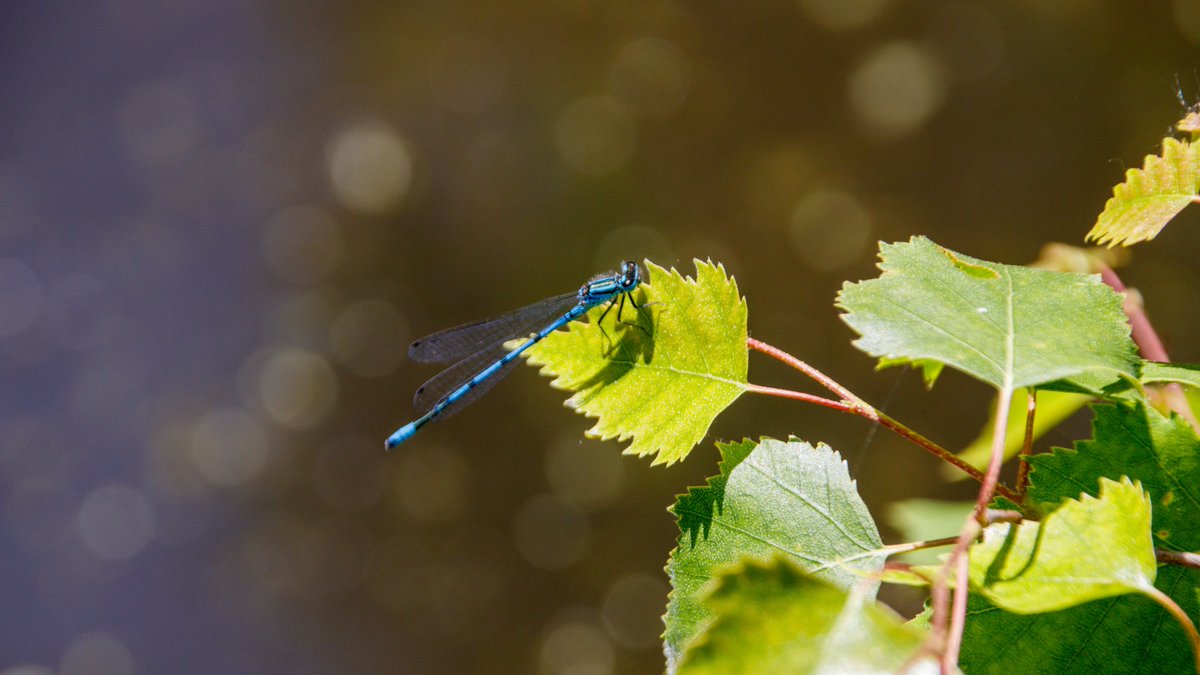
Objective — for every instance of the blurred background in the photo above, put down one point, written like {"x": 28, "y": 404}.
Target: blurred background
{"x": 222, "y": 222}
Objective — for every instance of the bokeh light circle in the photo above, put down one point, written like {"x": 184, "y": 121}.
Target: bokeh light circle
{"x": 298, "y": 388}
{"x": 596, "y": 135}
{"x": 896, "y": 89}
{"x": 228, "y": 447}
{"x": 116, "y": 522}
{"x": 370, "y": 167}
{"x": 830, "y": 229}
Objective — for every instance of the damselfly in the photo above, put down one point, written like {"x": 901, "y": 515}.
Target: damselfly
{"x": 478, "y": 348}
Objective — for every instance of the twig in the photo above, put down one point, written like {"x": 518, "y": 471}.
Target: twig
{"x": 1150, "y": 345}
{"x": 958, "y": 561}
{"x": 823, "y": 379}
{"x": 908, "y": 547}
{"x": 801, "y": 396}
{"x": 1180, "y": 558}
{"x": 993, "y": 516}
{"x": 856, "y": 406}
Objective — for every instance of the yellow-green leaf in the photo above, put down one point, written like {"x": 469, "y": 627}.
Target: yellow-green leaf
{"x": 1088, "y": 549}
{"x": 1150, "y": 196}
{"x": 662, "y": 380}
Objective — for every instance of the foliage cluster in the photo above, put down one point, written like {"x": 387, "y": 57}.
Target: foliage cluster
{"x": 1088, "y": 562}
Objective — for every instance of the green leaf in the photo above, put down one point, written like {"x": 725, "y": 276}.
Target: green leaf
{"x": 1086, "y": 550}
{"x": 1126, "y": 633}
{"x": 1053, "y": 408}
{"x": 920, "y": 575}
{"x": 1122, "y": 634}
{"x": 1009, "y": 326}
{"x": 1154, "y": 372}
{"x": 1150, "y": 196}
{"x": 773, "y": 618}
{"x": 930, "y": 370}
{"x": 771, "y": 497}
{"x": 663, "y": 381}
{"x": 1134, "y": 440}
{"x": 926, "y": 519}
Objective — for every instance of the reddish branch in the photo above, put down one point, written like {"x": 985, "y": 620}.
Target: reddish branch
{"x": 955, "y": 613}
{"x": 854, "y": 405}
{"x": 1149, "y": 344}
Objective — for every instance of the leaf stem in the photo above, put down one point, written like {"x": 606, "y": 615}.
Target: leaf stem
{"x": 1027, "y": 446}
{"x": 956, "y": 615}
{"x": 854, "y": 405}
{"x": 821, "y": 378}
{"x": 908, "y": 547}
{"x": 800, "y": 396}
{"x": 1149, "y": 344}
{"x": 1180, "y": 558}
{"x": 993, "y": 516}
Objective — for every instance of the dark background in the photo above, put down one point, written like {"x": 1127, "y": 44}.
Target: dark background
{"x": 222, "y": 222}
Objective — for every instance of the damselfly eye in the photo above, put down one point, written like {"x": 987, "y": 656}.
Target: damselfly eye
{"x": 629, "y": 273}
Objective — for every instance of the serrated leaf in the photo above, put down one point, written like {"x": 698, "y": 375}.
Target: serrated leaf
{"x": 771, "y": 497}
{"x": 1122, "y": 634}
{"x": 1126, "y": 633}
{"x": 1087, "y": 549}
{"x": 1150, "y": 196}
{"x": 1053, "y": 408}
{"x": 662, "y": 382}
{"x": 773, "y": 618}
{"x": 1134, "y": 440}
{"x": 1009, "y": 326}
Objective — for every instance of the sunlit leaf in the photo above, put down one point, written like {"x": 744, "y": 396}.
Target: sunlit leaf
{"x": 771, "y": 497}
{"x": 1134, "y": 440}
{"x": 1150, "y": 196}
{"x": 662, "y": 381}
{"x": 1009, "y": 326}
{"x": 773, "y": 618}
{"x": 1087, "y": 549}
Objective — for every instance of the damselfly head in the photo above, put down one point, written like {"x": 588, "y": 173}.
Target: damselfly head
{"x": 631, "y": 274}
